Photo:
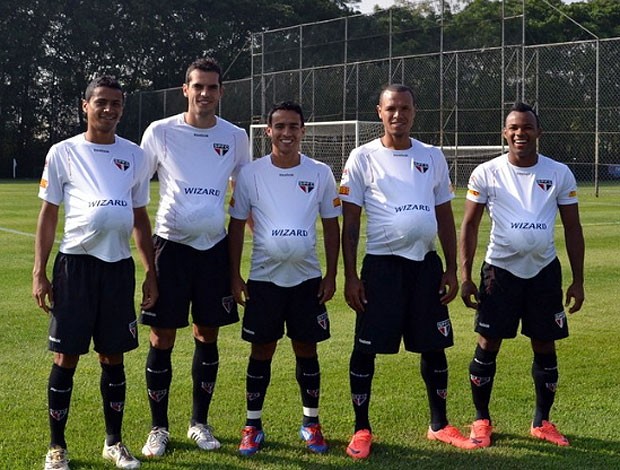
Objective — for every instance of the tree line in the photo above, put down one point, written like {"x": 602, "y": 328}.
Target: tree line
{"x": 50, "y": 49}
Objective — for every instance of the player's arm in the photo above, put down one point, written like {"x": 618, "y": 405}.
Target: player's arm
{"x": 353, "y": 288}
{"x": 331, "y": 241}
{"x": 446, "y": 231}
{"x": 144, "y": 244}
{"x": 236, "y": 234}
{"x": 44, "y": 240}
{"x": 575, "y": 248}
{"x": 468, "y": 241}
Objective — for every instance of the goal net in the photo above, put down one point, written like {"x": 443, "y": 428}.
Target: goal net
{"x": 329, "y": 142}
{"x": 463, "y": 159}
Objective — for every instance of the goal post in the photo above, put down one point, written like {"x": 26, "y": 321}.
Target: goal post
{"x": 330, "y": 142}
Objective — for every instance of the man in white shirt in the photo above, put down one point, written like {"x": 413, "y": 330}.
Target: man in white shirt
{"x": 195, "y": 154}
{"x": 103, "y": 182}
{"x": 521, "y": 277}
{"x": 403, "y": 291}
{"x": 284, "y": 192}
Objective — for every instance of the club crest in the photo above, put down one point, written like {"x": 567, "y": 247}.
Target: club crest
{"x": 157, "y": 395}
{"x": 228, "y": 303}
{"x": 313, "y": 393}
{"x": 545, "y": 185}
{"x": 133, "y": 328}
{"x": 251, "y": 396}
{"x": 122, "y": 165}
{"x": 552, "y": 386}
{"x": 479, "y": 381}
{"x": 444, "y": 327}
{"x": 421, "y": 167}
{"x": 442, "y": 393}
{"x": 306, "y": 186}
{"x": 560, "y": 318}
{"x": 208, "y": 387}
{"x": 58, "y": 415}
{"x": 117, "y": 406}
{"x": 221, "y": 149}
{"x": 323, "y": 320}
{"x": 359, "y": 398}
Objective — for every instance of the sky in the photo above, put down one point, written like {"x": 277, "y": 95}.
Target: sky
{"x": 367, "y": 6}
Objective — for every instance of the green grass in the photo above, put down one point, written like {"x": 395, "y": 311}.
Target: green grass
{"x": 586, "y": 407}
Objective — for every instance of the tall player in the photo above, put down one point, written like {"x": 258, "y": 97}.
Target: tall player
{"x": 102, "y": 180}
{"x": 284, "y": 192}
{"x": 403, "y": 291}
{"x": 195, "y": 154}
{"x": 521, "y": 275}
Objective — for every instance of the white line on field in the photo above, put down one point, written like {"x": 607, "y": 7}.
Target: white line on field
{"x": 16, "y": 232}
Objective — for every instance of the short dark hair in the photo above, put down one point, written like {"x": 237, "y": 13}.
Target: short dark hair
{"x": 286, "y": 106}
{"x": 206, "y": 64}
{"x": 398, "y": 88}
{"x": 521, "y": 107}
{"x": 102, "y": 81}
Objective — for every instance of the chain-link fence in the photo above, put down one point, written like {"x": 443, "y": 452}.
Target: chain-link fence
{"x": 337, "y": 68}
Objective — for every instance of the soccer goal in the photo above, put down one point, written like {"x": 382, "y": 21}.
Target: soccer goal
{"x": 329, "y": 142}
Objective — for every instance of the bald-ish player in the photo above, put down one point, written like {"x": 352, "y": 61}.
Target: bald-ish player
{"x": 521, "y": 277}
{"x": 284, "y": 192}
{"x": 403, "y": 292}
{"x": 102, "y": 180}
{"x": 195, "y": 154}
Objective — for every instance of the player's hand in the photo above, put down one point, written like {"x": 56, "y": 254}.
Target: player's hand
{"x": 449, "y": 287}
{"x": 354, "y": 294}
{"x": 150, "y": 292}
{"x": 239, "y": 290}
{"x": 576, "y": 294}
{"x": 469, "y": 294}
{"x": 42, "y": 293}
{"x": 327, "y": 288}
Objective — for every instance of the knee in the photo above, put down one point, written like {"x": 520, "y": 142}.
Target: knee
{"x": 162, "y": 338}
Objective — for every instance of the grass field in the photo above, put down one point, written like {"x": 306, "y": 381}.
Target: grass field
{"x": 586, "y": 408}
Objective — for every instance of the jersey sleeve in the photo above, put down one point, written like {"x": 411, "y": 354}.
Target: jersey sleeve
{"x": 51, "y": 184}
{"x": 140, "y": 193}
{"x": 568, "y": 191}
{"x": 151, "y": 150}
{"x": 242, "y": 152}
{"x": 329, "y": 206}
{"x": 476, "y": 187}
{"x": 353, "y": 182}
{"x": 240, "y": 204}
{"x": 443, "y": 185}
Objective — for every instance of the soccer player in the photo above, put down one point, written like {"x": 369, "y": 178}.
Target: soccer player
{"x": 403, "y": 291}
{"x": 521, "y": 275}
{"x": 102, "y": 180}
{"x": 195, "y": 154}
{"x": 284, "y": 192}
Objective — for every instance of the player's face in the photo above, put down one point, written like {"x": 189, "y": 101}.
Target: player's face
{"x": 104, "y": 109}
{"x": 521, "y": 132}
{"x": 286, "y": 132}
{"x": 396, "y": 111}
{"x": 203, "y": 93}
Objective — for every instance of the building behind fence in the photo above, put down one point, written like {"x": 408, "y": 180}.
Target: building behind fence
{"x": 337, "y": 68}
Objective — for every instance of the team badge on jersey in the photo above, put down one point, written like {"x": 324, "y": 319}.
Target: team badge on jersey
{"x": 421, "y": 167}
{"x": 58, "y": 415}
{"x": 545, "y": 185}
{"x": 122, "y": 165}
{"x": 479, "y": 381}
{"x": 359, "y": 398}
{"x": 117, "y": 406}
{"x": 560, "y": 318}
{"x": 306, "y": 186}
{"x": 444, "y": 327}
{"x": 157, "y": 395}
{"x": 221, "y": 149}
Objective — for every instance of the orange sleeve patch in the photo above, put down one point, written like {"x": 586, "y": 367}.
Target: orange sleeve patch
{"x": 43, "y": 183}
{"x": 572, "y": 194}
{"x": 472, "y": 192}
{"x": 336, "y": 202}
{"x": 344, "y": 190}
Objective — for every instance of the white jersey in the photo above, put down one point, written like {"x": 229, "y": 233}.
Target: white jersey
{"x": 523, "y": 204}
{"x": 99, "y": 185}
{"x": 285, "y": 204}
{"x": 194, "y": 167}
{"x": 399, "y": 190}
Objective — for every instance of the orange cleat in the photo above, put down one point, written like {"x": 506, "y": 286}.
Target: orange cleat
{"x": 359, "y": 447}
{"x": 450, "y": 435}
{"x": 548, "y": 432}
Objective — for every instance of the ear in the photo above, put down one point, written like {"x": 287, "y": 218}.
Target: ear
{"x": 379, "y": 110}
{"x": 185, "y": 90}
{"x": 84, "y": 106}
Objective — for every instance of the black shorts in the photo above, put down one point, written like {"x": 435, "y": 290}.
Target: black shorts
{"x": 270, "y": 307}
{"x": 537, "y": 302}
{"x": 93, "y": 299}
{"x": 403, "y": 303}
{"x": 186, "y": 275}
